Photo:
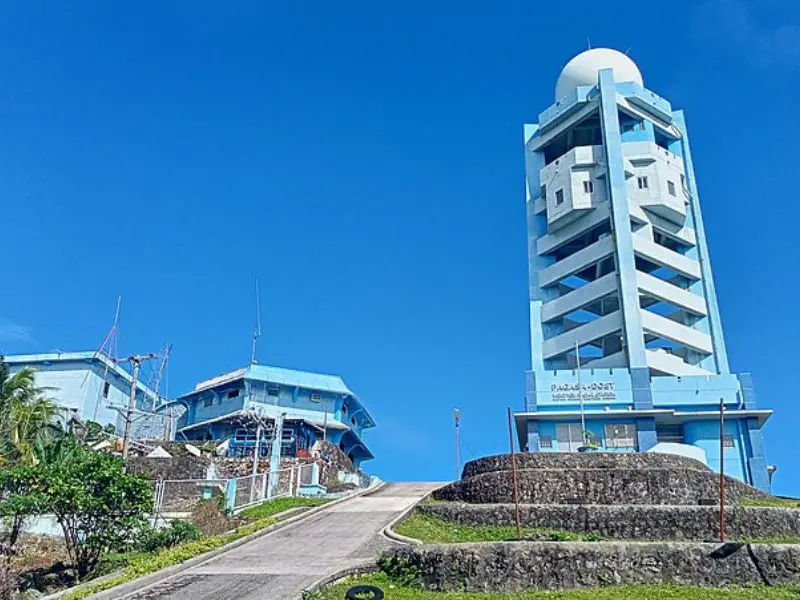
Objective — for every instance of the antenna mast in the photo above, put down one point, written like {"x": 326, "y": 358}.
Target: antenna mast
{"x": 257, "y": 329}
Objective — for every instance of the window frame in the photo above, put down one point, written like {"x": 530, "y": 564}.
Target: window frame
{"x": 559, "y": 197}
{"x": 643, "y": 181}
{"x": 588, "y": 186}
{"x": 614, "y": 440}
{"x": 546, "y": 441}
{"x": 671, "y": 190}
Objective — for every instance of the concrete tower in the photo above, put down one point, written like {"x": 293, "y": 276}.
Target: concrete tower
{"x": 619, "y": 269}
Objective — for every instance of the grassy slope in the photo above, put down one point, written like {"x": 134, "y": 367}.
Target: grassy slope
{"x": 432, "y": 530}
{"x": 278, "y": 505}
{"x": 664, "y": 592}
{"x": 770, "y": 502}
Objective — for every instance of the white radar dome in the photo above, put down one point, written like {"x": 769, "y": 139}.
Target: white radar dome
{"x": 585, "y": 68}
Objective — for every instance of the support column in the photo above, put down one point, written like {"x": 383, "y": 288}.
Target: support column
{"x": 275, "y": 456}
{"x": 623, "y": 238}
{"x": 646, "y": 433}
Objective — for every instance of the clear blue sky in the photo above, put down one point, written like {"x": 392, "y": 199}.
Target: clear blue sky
{"x": 364, "y": 160}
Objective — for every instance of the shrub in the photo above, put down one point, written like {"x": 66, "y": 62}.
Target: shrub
{"x": 98, "y": 505}
{"x": 211, "y": 518}
{"x": 151, "y": 539}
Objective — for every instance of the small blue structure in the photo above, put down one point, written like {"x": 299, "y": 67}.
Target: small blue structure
{"x": 627, "y": 346}
{"x": 88, "y": 385}
{"x": 315, "y": 407}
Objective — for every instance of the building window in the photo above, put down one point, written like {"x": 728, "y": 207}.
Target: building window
{"x": 671, "y": 188}
{"x": 727, "y": 442}
{"x": 545, "y": 441}
{"x": 273, "y": 391}
{"x": 683, "y": 181}
{"x": 543, "y": 191}
{"x": 316, "y": 397}
{"x": 353, "y": 420}
{"x": 559, "y": 197}
{"x": 106, "y": 389}
{"x": 208, "y": 401}
{"x": 588, "y": 187}
{"x": 232, "y": 393}
{"x": 642, "y": 182}
{"x": 344, "y": 409}
{"x": 569, "y": 437}
{"x": 620, "y": 436}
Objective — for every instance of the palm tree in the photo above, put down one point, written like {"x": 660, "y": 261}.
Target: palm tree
{"x": 26, "y": 416}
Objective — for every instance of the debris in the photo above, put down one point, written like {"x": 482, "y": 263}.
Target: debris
{"x": 159, "y": 452}
{"x": 194, "y": 450}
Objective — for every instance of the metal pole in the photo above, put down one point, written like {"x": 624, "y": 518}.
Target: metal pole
{"x": 514, "y": 471}
{"x": 580, "y": 395}
{"x": 721, "y": 470}
{"x": 126, "y": 439}
{"x": 457, "y": 416}
{"x": 325, "y": 422}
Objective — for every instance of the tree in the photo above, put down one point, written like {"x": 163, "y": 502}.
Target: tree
{"x": 19, "y": 500}
{"x": 26, "y": 416}
{"x": 98, "y": 505}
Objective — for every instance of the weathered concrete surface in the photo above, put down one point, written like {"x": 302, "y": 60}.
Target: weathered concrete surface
{"x": 280, "y": 565}
{"x": 574, "y": 460}
{"x": 630, "y": 522}
{"x": 673, "y": 486}
{"x": 521, "y": 566}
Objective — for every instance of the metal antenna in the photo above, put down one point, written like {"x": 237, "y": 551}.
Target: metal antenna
{"x": 257, "y": 329}
{"x": 588, "y": 43}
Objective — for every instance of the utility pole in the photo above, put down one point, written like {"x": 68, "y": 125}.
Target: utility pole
{"x": 257, "y": 329}
{"x": 136, "y": 361}
{"x": 721, "y": 470}
{"x": 457, "y": 417}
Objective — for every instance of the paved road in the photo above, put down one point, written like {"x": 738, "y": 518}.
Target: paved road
{"x": 280, "y": 565}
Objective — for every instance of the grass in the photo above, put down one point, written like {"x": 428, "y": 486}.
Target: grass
{"x": 775, "y": 539}
{"x": 278, "y": 505}
{"x": 653, "y": 592}
{"x": 434, "y": 530}
{"x": 770, "y": 502}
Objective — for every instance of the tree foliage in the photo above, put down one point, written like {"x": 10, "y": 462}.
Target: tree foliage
{"x": 98, "y": 505}
{"x": 26, "y": 416}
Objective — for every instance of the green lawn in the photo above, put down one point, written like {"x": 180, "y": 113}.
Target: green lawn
{"x": 278, "y": 505}
{"x": 770, "y": 502}
{"x": 433, "y": 530}
{"x": 664, "y": 592}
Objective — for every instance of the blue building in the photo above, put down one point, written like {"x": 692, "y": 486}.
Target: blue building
{"x": 88, "y": 385}
{"x": 626, "y": 339}
{"x": 314, "y": 407}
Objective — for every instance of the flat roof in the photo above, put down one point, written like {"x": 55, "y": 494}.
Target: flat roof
{"x": 84, "y": 357}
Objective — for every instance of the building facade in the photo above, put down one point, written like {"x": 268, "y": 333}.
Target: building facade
{"x": 308, "y": 406}
{"x": 88, "y": 385}
{"x": 626, "y": 337}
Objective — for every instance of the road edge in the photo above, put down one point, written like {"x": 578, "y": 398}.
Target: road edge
{"x": 146, "y": 581}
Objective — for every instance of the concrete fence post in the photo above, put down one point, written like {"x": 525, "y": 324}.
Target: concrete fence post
{"x": 230, "y": 495}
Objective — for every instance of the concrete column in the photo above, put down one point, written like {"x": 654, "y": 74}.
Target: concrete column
{"x": 532, "y": 444}
{"x": 623, "y": 238}
{"x": 646, "y": 433}
{"x": 720, "y": 351}
{"x": 275, "y": 457}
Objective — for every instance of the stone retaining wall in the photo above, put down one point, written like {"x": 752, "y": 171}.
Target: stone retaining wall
{"x": 589, "y": 460}
{"x": 596, "y": 486}
{"x": 521, "y": 566}
{"x": 697, "y": 523}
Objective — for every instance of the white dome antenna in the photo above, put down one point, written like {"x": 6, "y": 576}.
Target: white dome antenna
{"x": 584, "y": 69}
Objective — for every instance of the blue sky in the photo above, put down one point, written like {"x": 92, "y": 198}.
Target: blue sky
{"x": 364, "y": 160}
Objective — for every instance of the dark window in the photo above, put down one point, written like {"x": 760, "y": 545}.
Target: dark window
{"x": 273, "y": 392}
{"x": 671, "y": 188}
{"x": 315, "y": 397}
{"x": 559, "y": 197}
{"x": 208, "y": 401}
{"x": 344, "y": 409}
{"x": 643, "y": 182}
{"x": 727, "y": 442}
{"x": 353, "y": 420}
{"x": 233, "y": 393}
{"x": 543, "y": 191}
{"x": 545, "y": 441}
{"x": 683, "y": 181}
{"x": 588, "y": 187}
{"x": 106, "y": 388}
